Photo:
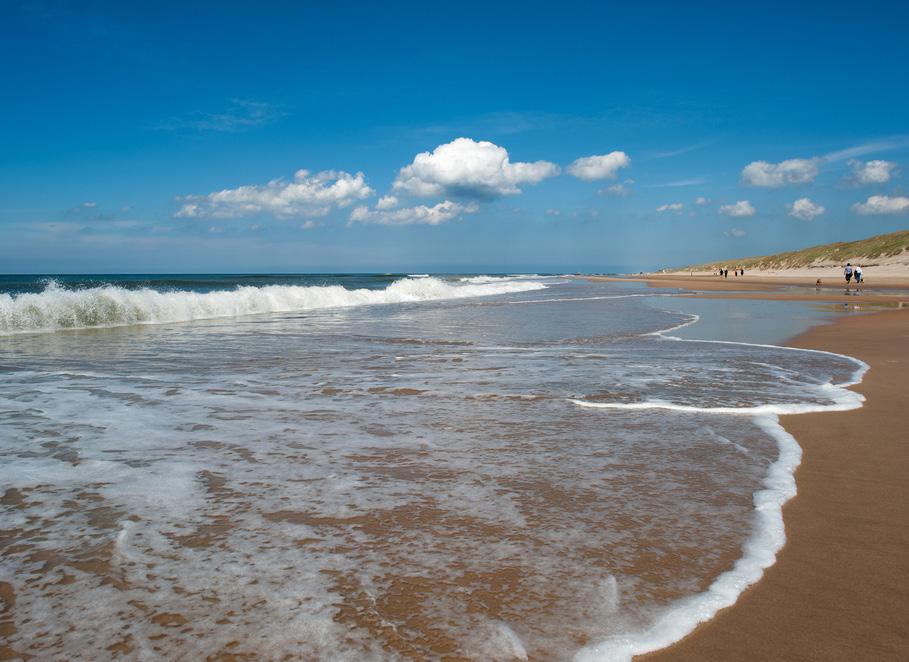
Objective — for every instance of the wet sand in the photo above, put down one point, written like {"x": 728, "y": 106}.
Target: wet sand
{"x": 757, "y": 281}
{"x": 840, "y": 587}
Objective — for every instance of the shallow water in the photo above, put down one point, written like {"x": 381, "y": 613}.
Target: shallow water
{"x": 533, "y": 473}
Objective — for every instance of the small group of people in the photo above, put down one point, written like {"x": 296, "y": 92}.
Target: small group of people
{"x": 724, "y": 272}
{"x": 853, "y": 273}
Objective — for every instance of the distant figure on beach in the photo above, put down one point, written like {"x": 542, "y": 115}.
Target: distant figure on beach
{"x": 743, "y": 272}
{"x": 857, "y": 273}
{"x": 725, "y": 273}
{"x": 817, "y": 285}
{"x": 847, "y": 271}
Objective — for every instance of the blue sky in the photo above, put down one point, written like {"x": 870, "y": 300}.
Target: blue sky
{"x": 156, "y": 137}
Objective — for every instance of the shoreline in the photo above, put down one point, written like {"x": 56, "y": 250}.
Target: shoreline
{"x": 838, "y": 588}
{"x": 760, "y": 282}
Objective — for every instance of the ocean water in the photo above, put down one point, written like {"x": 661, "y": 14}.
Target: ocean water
{"x": 382, "y": 467}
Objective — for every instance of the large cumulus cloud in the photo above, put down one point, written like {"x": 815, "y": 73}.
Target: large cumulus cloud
{"x": 469, "y": 168}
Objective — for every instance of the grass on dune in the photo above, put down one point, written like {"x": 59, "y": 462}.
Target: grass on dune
{"x": 880, "y": 246}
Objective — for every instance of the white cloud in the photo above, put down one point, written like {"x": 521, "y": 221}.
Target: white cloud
{"x": 89, "y": 205}
{"x": 774, "y": 175}
{"x": 679, "y": 183}
{"x": 740, "y": 208}
{"x": 735, "y": 232}
{"x": 421, "y": 214}
{"x": 469, "y": 168}
{"x": 306, "y": 195}
{"x": 674, "y": 206}
{"x": 805, "y": 209}
{"x": 621, "y": 190}
{"x": 387, "y": 202}
{"x": 702, "y": 201}
{"x": 887, "y": 144}
{"x": 601, "y": 166}
{"x": 882, "y": 204}
{"x": 872, "y": 172}
{"x": 553, "y": 212}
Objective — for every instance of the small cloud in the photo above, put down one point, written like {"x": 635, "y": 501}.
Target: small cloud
{"x": 621, "y": 190}
{"x": 872, "y": 172}
{"x": 805, "y": 209}
{"x": 735, "y": 232}
{"x": 882, "y": 204}
{"x": 387, "y": 202}
{"x": 89, "y": 205}
{"x": 701, "y": 200}
{"x": 255, "y": 227}
{"x": 419, "y": 215}
{"x": 681, "y": 150}
{"x": 774, "y": 175}
{"x": 214, "y": 229}
{"x": 678, "y": 183}
{"x": 739, "y": 209}
{"x": 553, "y": 212}
{"x": 599, "y": 166}
{"x": 308, "y": 225}
{"x": 674, "y": 206}
{"x": 469, "y": 168}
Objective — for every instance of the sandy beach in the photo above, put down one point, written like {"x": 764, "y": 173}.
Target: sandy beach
{"x": 838, "y": 590}
{"x": 796, "y": 278}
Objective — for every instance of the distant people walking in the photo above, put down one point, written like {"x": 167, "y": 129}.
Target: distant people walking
{"x": 857, "y": 274}
{"x": 725, "y": 273}
{"x": 847, "y": 271}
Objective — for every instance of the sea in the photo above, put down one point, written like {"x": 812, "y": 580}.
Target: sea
{"x": 388, "y": 466}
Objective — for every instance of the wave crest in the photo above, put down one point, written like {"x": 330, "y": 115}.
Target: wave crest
{"x": 58, "y": 308}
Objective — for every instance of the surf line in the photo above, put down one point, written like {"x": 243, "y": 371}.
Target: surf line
{"x": 768, "y": 537}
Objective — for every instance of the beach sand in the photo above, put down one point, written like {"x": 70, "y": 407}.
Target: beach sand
{"x": 766, "y": 281}
{"x": 840, "y": 587}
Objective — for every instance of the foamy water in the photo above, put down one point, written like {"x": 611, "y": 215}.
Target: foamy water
{"x": 57, "y": 308}
{"x": 444, "y": 474}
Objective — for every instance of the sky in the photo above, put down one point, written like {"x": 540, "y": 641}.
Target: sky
{"x": 152, "y": 137}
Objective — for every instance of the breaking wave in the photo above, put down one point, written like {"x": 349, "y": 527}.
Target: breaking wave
{"x": 58, "y": 308}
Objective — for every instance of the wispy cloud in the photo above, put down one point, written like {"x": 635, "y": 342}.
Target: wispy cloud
{"x": 240, "y": 115}
{"x": 681, "y": 150}
{"x": 672, "y": 206}
{"x": 881, "y": 145}
{"x": 678, "y": 183}
{"x": 496, "y": 123}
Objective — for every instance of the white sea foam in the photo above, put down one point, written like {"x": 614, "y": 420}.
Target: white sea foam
{"x": 759, "y": 552}
{"x": 769, "y": 534}
{"x": 58, "y": 308}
